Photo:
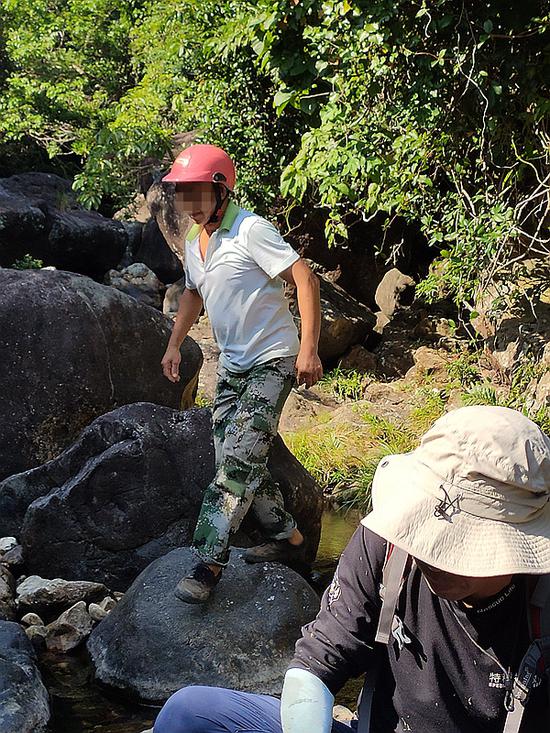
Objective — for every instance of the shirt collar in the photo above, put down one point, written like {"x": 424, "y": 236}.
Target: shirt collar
{"x": 227, "y": 221}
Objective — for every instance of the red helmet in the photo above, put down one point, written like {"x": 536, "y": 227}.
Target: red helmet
{"x": 202, "y": 164}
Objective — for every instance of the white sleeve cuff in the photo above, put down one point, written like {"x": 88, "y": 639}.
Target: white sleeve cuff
{"x": 284, "y": 265}
{"x": 306, "y": 703}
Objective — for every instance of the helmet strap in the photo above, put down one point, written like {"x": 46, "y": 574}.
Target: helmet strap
{"x": 220, "y": 200}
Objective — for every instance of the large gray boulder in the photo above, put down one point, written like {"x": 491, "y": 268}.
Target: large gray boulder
{"x": 71, "y": 350}
{"x": 155, "y": 252}
{"x": 344, "y": 320}
{"x": 39, "y": 215}
{"x": 128, "y": 491}
{"x": 24, "y": 706}
{"x": 152, "y": 644}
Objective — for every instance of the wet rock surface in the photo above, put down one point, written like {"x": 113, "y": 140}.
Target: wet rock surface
{"x": 152, "y": 644}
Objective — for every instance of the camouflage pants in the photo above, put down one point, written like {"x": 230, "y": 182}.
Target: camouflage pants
{"x": 246, "y": 416}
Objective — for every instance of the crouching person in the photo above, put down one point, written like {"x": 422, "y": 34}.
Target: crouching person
{"x": 441, "y": 599}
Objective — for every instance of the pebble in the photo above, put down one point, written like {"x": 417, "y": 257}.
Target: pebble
{"x": 96, "y": 612}
{"x": 6, "y": 544}
{"x": 37, "y": 635}
{"x": 70, "y": 629}
{"x": 32, "y": 619}
{"x": 107, "y": 604}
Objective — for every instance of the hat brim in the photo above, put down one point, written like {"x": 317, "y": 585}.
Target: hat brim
{"x": 405, "y": 497}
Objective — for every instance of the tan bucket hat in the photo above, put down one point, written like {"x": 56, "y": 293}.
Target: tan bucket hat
{"x": 473, "y": 499}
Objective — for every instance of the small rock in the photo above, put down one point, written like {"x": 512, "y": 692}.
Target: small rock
{"x": 70, "y": 629}
{"x": 118, "y": 595}
{"x": 428, "y": 361}
{"x": 13, "y": 558}
{"x": 7, "y": 595}
{"x": 37, "y": 635}
{"x": 7, "y": 582}
{"x": 542, "y": 394}
{"x": 108, "y": 603}
{"x": 41, "y": 593}
{"x": 96, "y": 612}
{"x": 138, "y": 281}
{"x": 6, "y": 544}
{"x": 32, "y": 619}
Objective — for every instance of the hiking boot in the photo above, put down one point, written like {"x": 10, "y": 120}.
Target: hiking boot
{"x": 275, "y": 551}
{"x": 196, "y": 588}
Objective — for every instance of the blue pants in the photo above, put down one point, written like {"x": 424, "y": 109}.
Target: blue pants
{"x": 216, "y": 710}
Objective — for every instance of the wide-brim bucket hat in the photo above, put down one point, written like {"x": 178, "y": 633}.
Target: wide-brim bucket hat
{"x": 473, "y": 499}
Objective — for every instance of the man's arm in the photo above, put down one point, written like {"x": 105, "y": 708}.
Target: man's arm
{"x": 189, "y": 309}
{"x": 309, "y": 369}
{"x": 339, "y": 643}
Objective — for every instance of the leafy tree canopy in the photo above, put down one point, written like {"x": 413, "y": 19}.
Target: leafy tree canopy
{"x": 436, "y": 112}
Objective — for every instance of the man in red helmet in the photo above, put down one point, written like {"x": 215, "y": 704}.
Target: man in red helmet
{"x": 235, "y": 264}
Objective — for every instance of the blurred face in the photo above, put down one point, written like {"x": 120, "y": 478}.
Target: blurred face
{"x": 460, "y": 587}
{"x": 197, "y": 200}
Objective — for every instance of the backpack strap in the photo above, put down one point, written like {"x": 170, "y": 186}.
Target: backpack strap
{"x": 364, "y": 709}
{"x": 536, "y": 661}
{"x": 392, "y": 579}
{"x": 393, "y": 574}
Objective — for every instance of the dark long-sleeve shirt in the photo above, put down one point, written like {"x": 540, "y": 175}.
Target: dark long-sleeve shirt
{"x": 448, "y": 676}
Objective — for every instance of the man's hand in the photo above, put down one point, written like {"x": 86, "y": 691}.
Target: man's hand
{"x": 309, "y": 369}
{"x": 171, "y": 364}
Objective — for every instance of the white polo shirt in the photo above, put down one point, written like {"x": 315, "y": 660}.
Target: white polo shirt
{"x": 242, "y": 294}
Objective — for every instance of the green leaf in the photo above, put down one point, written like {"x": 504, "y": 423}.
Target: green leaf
{"x": 282, "y": 99}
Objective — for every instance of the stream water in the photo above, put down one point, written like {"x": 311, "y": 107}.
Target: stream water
{"x": 81, "y": 706}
